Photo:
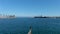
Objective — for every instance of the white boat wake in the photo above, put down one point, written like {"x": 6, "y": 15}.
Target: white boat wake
{"x": 30, "y": 31}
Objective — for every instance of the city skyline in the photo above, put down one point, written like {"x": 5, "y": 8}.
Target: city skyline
{"x": 30, "y": 8}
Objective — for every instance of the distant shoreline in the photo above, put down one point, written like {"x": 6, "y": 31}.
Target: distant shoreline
{"x": 45, "y": 17}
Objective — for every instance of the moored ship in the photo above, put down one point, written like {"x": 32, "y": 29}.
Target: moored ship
{"x": 7, "y": 16}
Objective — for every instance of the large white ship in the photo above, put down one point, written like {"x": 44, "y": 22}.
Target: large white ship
{"x": 7, "y": 16}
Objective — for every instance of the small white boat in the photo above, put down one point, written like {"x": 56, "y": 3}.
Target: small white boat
{"x": 30, "y": 31}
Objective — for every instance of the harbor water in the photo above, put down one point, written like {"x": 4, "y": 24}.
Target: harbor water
{"x": 22, "y": 26}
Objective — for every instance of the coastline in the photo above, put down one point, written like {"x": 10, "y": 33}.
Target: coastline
{"x": 46, "y": 17}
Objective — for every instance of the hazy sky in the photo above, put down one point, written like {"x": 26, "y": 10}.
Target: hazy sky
{"x": 28, "y": 8}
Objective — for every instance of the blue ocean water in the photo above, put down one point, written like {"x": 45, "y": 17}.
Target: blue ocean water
{"x": 21, "y": 26}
